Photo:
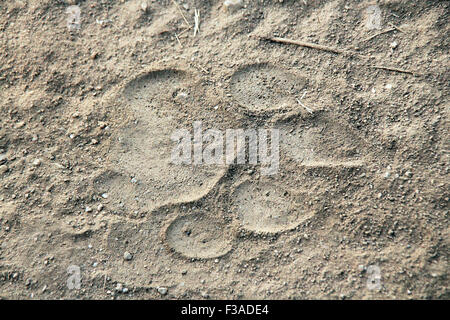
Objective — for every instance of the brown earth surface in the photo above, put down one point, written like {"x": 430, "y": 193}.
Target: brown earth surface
{"x": 359, "y": 207}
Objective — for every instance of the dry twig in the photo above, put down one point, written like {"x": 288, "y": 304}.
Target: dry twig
{"x": 379, "y": 33}
{"x": 313, "y": 46}
{"x": 396, "y": 28}
{"x": 393, "y": 69}
{"x": 187, "y": 29}
{"x": 305, "y": 44}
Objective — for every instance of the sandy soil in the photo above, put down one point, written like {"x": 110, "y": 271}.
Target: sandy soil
{"x": 358, "y": 210}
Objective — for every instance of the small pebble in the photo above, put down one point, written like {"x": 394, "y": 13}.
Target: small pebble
{"x": 127, "y": 256}
{"x": 3, "y": 169}
{"x": 144, "y": 6}
{"x": 162, "y": 291}
{"x": 20, "y": 124}
{"x": 231, "y": 5}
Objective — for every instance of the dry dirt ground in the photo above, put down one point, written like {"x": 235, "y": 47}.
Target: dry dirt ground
{"x": 358, "y": 210}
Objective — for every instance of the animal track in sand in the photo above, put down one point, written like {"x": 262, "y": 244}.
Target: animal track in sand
{"x": 142, "y": 151}
{"x": 262, "y": 87}
{"x": 155, "y": 245}
{"x": 198, "y": 236}
{"x": 265, "y": 207}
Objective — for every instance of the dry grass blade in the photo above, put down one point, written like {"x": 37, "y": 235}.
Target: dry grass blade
{"x": 196, "y": 21}
{"x": 178, "y": 39}
{"x": 334, "y": 50}
{"x": 306, "y": 108}
{"x": 179, "y": 9}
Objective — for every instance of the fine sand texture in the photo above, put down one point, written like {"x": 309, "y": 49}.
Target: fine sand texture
{"x": 92, "y": 205}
